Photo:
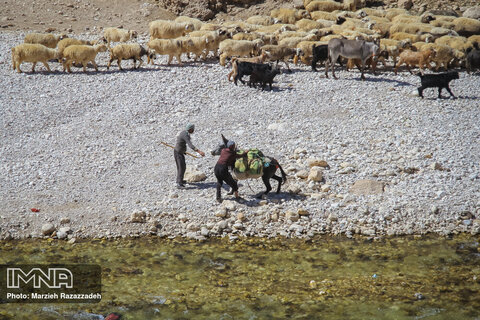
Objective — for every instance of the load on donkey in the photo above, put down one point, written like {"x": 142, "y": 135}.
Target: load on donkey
{"x": 255, "y": 165}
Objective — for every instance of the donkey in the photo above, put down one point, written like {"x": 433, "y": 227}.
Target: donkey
{"x": 268, "y": 172}
{"x": 351, "y": 49}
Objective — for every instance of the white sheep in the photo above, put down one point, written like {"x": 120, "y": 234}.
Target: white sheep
{"x": 262, "y": 20}
{"x": 47, "y": 39}
{"x": 165, "y": 29}
{"x": 118, "y": 35}
{"x": 290, "y": 16}
{"x": 240, "y": 48}
{"x": 195, "y": 45}
{"x": 81, "y": 54}
{"x": 126, "y": 51}
{"x": 328, "y": 6}
{"x": 466, "y": 27}
{"x": 32, "y": 52}
{"x": 64, "y": 43}
{"x": 280, "y": 53}
{"x": 214, "y": 38}
{"x": 170, "y": 47}
{"x": 197, "y": 24}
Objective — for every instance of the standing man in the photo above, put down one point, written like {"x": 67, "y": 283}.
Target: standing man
{"x": 227, "y": 159}
{"x": 183, "y": 139}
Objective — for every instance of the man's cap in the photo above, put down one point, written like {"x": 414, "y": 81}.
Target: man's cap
{"x": 230, "y": 143}
{"x": 190, "y": 127}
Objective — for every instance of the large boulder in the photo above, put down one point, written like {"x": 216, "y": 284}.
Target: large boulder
{"x": 472, "y": 13}
{"x": 194, "y": 175}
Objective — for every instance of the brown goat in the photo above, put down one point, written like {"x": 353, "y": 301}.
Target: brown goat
{"x": 413, "y": 58}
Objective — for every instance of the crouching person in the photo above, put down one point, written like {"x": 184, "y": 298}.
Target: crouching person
{"x": 227, "y": 159}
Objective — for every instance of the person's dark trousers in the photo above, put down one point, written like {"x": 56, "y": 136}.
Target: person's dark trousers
{"x": 222, "y": 174}
{"x": 181, "y": 165}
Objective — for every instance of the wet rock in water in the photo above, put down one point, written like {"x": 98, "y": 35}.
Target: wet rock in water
{"x": 419, "y": 296}
{"x": 48, "y": 229}
{"x": 367, "y": 187}
{"x": 138, "y": 217}
{"x": 194, "y": 175}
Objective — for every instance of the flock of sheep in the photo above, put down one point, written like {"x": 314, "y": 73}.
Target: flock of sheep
{"x": 417, "y": 40}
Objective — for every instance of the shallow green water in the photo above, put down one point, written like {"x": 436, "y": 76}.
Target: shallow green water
{"x": 266, "y": 279}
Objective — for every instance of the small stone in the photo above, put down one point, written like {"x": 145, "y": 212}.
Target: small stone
{"x": 204, "y": 231}
{"x": 292, "y": 216}
{"x": 316, "y": 174}
{"x": 367, "y": 187}
{"x": 61, "y": 235}
{"x": 65, "y": 220}
{"x": 72, "y": 240}
{"x": 302, "y": 174}
{"x": 221, "y": 213}
{"x": 314, "y": 162}
{"x": 182, "y": 217}
{"x": 303, "y": 212}
{"x": 325, "y": 188}
{"x": 229, "y": 205}
{"x": 138, "y": 217}
{"x": 240, "y": 216}
{"x": 48, "y": 229}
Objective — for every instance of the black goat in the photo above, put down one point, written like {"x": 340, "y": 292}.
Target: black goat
{"x": 263, "y": 78}
{"x": 440, "y": 81}
{"x": 246, "y": 68}
{"x": 320, "y": 53}
{"x": 473, "y": 58}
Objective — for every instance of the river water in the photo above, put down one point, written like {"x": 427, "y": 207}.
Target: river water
{"x": 325, "y": 278}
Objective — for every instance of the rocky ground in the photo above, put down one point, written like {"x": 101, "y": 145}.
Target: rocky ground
{"x": 84, "y": 149}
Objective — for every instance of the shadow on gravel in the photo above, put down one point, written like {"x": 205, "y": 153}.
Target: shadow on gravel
{"x": 200, "y": 185}
{"x": 254, "y": 200}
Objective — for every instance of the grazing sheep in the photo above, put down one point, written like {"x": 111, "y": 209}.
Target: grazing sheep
{"x": 81, "y": 54}
{"x": 241, "y": 48}
{"x": 47, "y": 39}
{"x": 64, "y": 43}
{"x": 412, "y": 28}
{"x": 393, "y": 12}
{"x": 170, "y": 47}
{"x": 323, "y": 15}
{"x": 394, "y": 48}
{"x": 262, "y": 20}
{"x": 308, "y": 24}
{"x": 165, "y": 29}
{"x": 195, "y": 45}
{"x": 214, "y": 38}
{"x": 258, "y": 59}
{"x": 32, "y": 52}
{"x": 263, "y": 77}
{"x": 443, "y": 54}
{"x": 277, "y": 28}
{"x": 197, "y": 24}
{"x": 210, "y": 27}
{"x": 439, "y": 81}
{"x": 458, "y": 43}
{"x": 280, "y": 53}
{"x": 328, "y": 6}
{"x": 289, "y": 16}
{"x": 371, "y": 12}
{"x": 473, "y": 58}
{"x": 118, "y": 35}
{"x": 412, "y": 58}
{"x": 466, "y": 27}
{"x": 126, "y": 51}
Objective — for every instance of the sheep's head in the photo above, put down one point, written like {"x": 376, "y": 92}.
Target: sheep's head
{"x": 133, "y": 34}
{"x": 100, "y": 48}
{"x": 189, "y": 27}
{"x": 63, "y": 36}
{"x": 361, "y": 14}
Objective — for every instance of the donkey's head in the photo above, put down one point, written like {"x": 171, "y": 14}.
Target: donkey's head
{"x": 218, "y": 149}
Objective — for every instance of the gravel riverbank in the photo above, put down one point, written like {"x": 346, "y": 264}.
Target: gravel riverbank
{"x": 85, "y": 150}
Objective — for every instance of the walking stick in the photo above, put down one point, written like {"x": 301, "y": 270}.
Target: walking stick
{"x": 166, "y": 144}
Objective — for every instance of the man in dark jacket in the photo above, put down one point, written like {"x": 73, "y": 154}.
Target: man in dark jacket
{"x": 227, "y": 159}
{"x": 183, "y": 139}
